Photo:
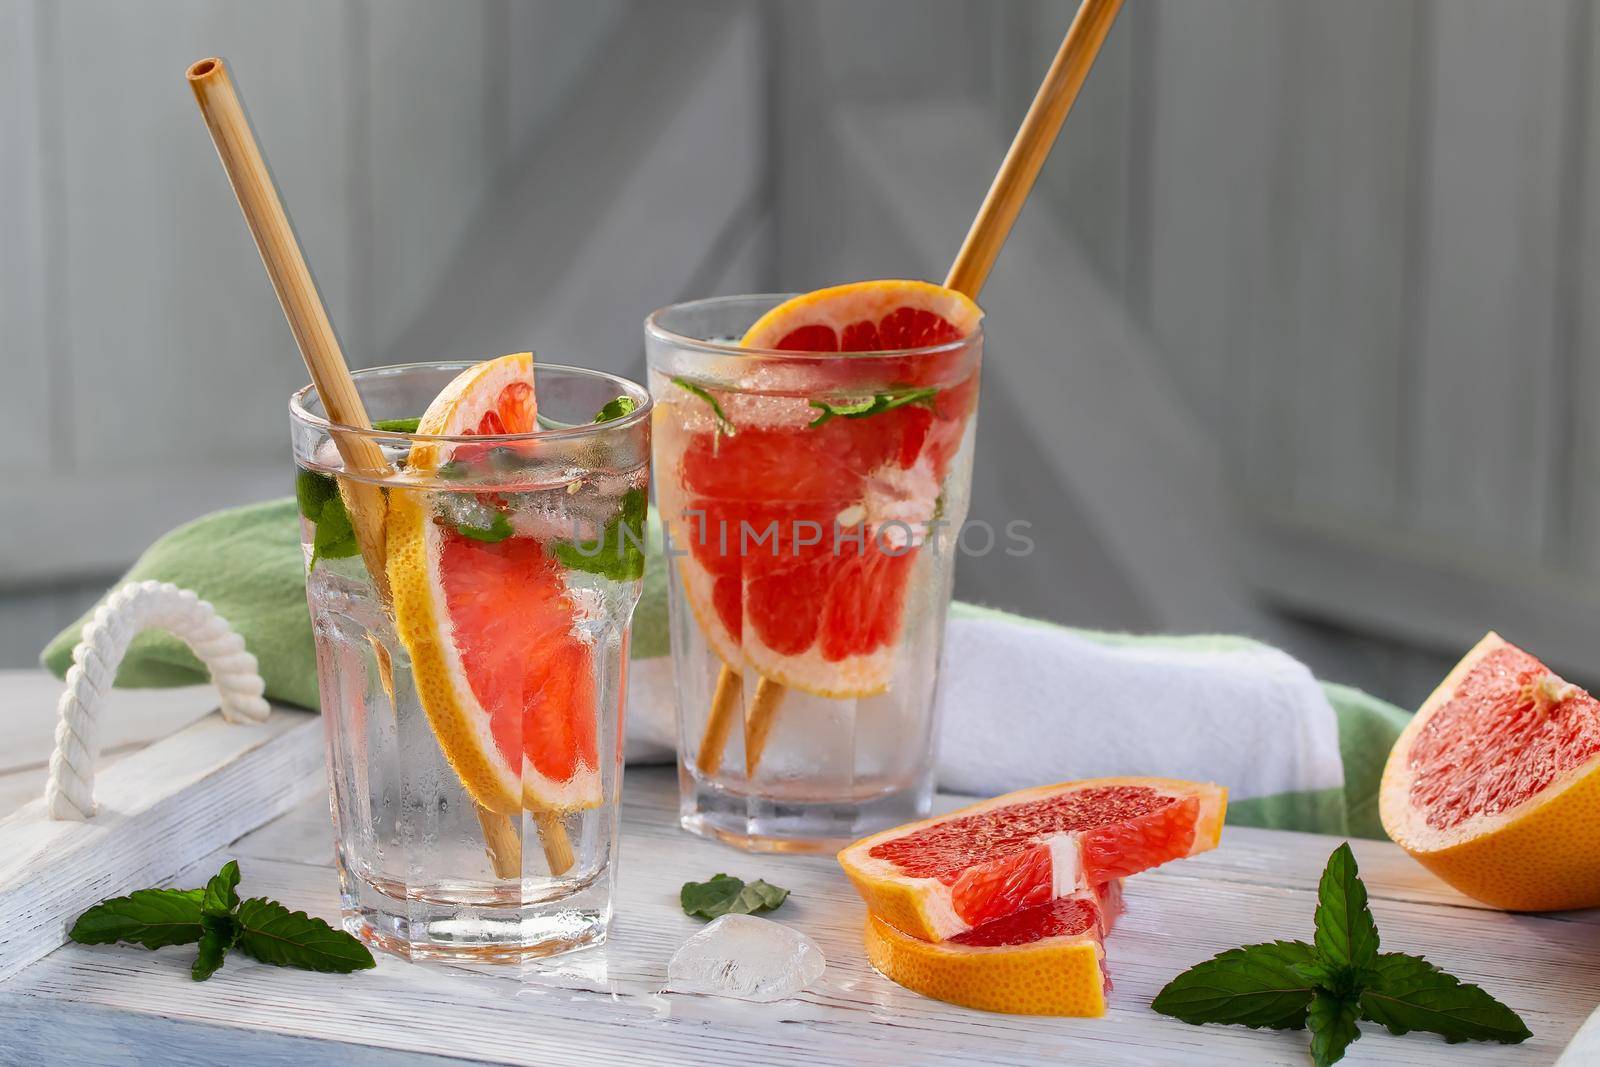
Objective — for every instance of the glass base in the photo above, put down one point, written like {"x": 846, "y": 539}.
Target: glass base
{"x": 465, "y": 926}
{"x": 766, "y": 824}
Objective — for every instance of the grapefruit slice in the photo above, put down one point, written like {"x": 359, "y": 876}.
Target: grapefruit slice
{"x": 821, "y": 617}
{"x": 1495, "y": 783}
{"x": 1045, "y": 960}
{"x": 503, "y": 672}
{"x": 941, "y": 877}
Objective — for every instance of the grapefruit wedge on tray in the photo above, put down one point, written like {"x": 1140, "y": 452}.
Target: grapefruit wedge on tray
{"x": 505, "y": 678}
{"x": 805, "y": 615}
{"x": 1045, "y": 960}
{"x": 942, "y": 877}
{"x": 1495, "y": 783}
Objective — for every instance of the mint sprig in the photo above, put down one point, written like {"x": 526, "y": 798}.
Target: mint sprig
{"x": 332, "y": 535}
{"x": 723, "y": 894}
{"x": 396, "y": 425}
{"x": 616, "y": 409}
{"x": 865, "y": 407}
{"x": 1342, "y": 978}
{"x": 215, "y": 919}
{"x": 724, "y": 424}
{"x": 618, "y": 553}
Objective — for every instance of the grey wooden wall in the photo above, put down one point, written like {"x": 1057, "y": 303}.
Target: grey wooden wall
{"x": 1293, "y": 340}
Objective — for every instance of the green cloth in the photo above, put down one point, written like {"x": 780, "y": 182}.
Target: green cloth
{"x": 247, "y": 562}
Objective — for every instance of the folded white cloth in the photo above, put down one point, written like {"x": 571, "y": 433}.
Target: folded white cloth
{"x": 1024, "y": 703}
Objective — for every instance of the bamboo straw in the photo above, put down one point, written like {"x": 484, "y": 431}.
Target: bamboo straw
{"x": 319, "y": 347}
{"x": 1012, "y": 184}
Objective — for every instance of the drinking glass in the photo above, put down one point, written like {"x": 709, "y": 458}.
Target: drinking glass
{"x": 472, "y": 694}
{"x": 812, "y": 505}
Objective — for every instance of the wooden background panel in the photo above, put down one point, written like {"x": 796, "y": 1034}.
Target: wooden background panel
{"x": 1583, "y": 468}
{"x": 26, "y": 397}
{"x": 1347, "y": 159}
{"x": 435, "y": 137}
{"x": 1214, "y": 74}
{"x": 177, "y": 343}
{"x": 1482, "y": 430}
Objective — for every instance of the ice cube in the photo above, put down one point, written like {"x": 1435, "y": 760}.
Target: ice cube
{"x": 746, "y": 958}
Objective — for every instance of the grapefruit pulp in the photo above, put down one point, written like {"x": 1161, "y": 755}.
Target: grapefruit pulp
{"x": 1045, "y": 960}
{"x": 503, "y": 673}
{"x": 1495, "y": 783}
{"x": 939, "y": 878}
{"x": 822, "y": 616}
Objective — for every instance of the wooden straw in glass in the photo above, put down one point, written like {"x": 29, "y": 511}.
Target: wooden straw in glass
{"x": 313, "y": 333}
{"x": 1032, "y": 144}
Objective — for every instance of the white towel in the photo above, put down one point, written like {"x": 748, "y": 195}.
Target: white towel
{"x": 1025, "y": 703}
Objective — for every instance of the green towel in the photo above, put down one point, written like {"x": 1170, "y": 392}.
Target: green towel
{"x": 247, "y": 562}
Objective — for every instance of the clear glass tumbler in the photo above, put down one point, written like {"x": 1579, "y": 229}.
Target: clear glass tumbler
{"x": 812, "y": 505}
{"x": 472, "y": 693}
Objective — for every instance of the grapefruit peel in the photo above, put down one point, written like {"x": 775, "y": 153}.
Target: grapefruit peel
{"x": 461, "y": 724}
{"x": 1536, "y": 849}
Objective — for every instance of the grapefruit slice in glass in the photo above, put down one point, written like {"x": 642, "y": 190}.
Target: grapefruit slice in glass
{"x": 1495, "y": 782}
{"x": 823, "y": 617}
{"x": 502, "y": 671}
{"x": 941, "y": 877}
{"x": 1045, "y": 960}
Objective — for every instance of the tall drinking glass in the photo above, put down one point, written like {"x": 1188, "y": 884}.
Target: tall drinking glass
{"x": 812, "y": 505}
{"x": 472, "y": 693}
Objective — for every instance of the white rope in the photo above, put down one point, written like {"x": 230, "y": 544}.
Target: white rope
{"x": 136, "y": 607}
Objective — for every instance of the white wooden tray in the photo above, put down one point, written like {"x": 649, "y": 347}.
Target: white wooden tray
{"x": 126, "y": 1005}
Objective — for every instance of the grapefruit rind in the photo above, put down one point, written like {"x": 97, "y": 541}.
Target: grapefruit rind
{"x": 1540, "y": 855}
{"x": 924, "y": 907}
{"x": 1055, "y": 976}
{"x": 840, "y": 305}
{"x": 459, "y": 722}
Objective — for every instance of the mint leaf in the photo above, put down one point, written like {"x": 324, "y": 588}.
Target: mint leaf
{"x": 397, "y": 425}
{"x": 1332, "y": 1020}
{"x": 724, "y": 424}
{"x": 221, "y": 894}
{"x": 334, "y": 537}
{"x": 272, "y": 933}
{"x": 1255, "y": 986}
{"x": 312, "y": 490}
{"x": 874, "y": 405}
{"x": 217, "y": 936}
{"x": 724, "y": 894}
{"x": 499, "y": 529}
{"x": 1346, "y": 933}
{"x": 616, "y": 409}
{"x": 1409, "y": 993}
{"x": 150, "y": 917}
{"x": 618, "y": 554}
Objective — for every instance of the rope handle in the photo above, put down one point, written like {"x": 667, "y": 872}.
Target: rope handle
{"x": 132, "y": 609}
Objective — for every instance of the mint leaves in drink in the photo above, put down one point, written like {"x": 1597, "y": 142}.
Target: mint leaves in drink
{"x": 332, "y": 536}
{"x": 616, "y": 409}
{"x": 217, "y": 921}
{"x": 618, "y": 553}
{"x": 724, "y": 424}
{"x": 397, "y": 425}
{"x": 867, "y": 406}
{"x": 1339, "y": 979}
{"x": 724, "y": 894}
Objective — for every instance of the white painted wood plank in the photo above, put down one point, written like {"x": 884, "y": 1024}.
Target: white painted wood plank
{"x": 1091, "y": 392}
{"x": 607, "y": 1005}
{"x": 133, "y": 719}
{"x": 158, "y": 810}
{"x": 1347, "y": 155}
{"x": 559, "y": 264}
{"x": 1217, "y": 119}
{"x": 25, "y": 402}
{"x": 434, "y": 151}
{"x": 178, "y": 346}
{"x": 1482, "y": 431}
{"x": 57, "y": 527}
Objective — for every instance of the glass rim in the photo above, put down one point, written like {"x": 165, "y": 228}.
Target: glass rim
{"x": 655, "y": 329}
{"x": 635, "y": 392}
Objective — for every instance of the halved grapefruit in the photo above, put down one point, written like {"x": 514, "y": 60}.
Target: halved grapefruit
{"x": 500, "y": 666}
{"x": 941, "y": 877}
{"x": 1495, "y": 784}
{"x": 1045, "y": 960}
{"x": 821, "y": 616}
